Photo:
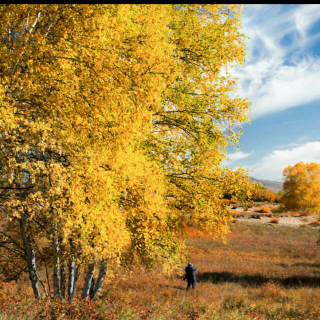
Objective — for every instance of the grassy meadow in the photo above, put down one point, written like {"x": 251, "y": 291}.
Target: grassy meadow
{"x": 265, "y": 271}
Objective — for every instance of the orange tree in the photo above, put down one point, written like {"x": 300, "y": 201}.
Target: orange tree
{"x": 114, "y": 120}
{"x": 302, "y": 186}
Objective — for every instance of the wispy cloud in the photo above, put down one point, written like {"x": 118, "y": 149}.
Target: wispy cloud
{"x": 298, "y": 143}
{"x": 276, "y": 76}
{"x": 234, "y": 157}
{"x": 271, "y": 166}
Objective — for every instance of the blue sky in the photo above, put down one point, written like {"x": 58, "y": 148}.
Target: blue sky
{"x": 281, "y": 78}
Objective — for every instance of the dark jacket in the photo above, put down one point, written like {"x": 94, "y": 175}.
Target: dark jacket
{"x": 190, "y": 273}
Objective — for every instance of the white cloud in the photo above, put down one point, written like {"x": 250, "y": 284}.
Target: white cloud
{"x": 305, "y": 17}
{"x": 271, "y": 166}
{"x": 278, "y": 73}
{"x": 233, "y": 157}
{"x": 288, "y": 87}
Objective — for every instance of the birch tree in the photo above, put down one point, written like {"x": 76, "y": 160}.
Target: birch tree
{"x": 113, "y": 122}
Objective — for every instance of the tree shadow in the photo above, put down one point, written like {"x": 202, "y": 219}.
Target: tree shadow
{"x": 172, "y": 287}
{"x": 258, "y": 280}
{"x": 299, "y": 264}
{"x": 303, "y": 264}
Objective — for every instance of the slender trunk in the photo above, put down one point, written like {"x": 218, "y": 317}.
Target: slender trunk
{"x": 43, "y": 287}
{"x": 30, "y": 257}
{"x": 47, "y": 273}
{"x": 63, "y": 273}
{"x": 101, "y": 277}
{"x": 56, "y": 263}
{"x": 91, "y": 291}
{"x": 76, "y": 277}
{"x": 71, "y": 280}
{"x": 88, "y": 280}
{"x": 72, "y": 272}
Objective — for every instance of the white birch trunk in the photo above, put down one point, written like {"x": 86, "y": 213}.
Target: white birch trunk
{"x": 71, "y": 280}
{"x": 101, "y": 277}
{"x": 63, "y": 274}
{"x": 30, "y": 257}
{"x": 56, "y": 263}
{"x": 88, "y": 280}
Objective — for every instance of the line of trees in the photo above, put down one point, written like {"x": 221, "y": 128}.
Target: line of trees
{"x": 113, "y": 122}
{"x": 261, "y": 193}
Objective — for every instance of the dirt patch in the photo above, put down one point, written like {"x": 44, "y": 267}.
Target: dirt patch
{"x": 283, "y": 221}
{"x": 257, "y": 216}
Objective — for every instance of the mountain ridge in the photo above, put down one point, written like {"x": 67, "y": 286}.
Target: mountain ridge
{"x": 274, "y": 186}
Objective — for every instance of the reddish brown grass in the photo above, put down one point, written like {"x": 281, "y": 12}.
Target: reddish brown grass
{"x": 262, "y": 272}
{"x": 271, "y": 289}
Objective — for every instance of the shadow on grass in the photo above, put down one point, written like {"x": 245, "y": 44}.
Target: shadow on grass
{"x": 172, "y": 287}
{"x": 299, "y": 264}
{"x": 303, "y": 264}
{"x": 258, "y": 280}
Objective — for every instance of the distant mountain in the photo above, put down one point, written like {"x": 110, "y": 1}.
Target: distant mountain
{"x": 274, "y": 186}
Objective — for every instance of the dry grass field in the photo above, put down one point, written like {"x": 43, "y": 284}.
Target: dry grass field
{"x": 265, "y": 271}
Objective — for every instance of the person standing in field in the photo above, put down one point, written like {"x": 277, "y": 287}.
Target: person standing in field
{"x": 190, "y": 276}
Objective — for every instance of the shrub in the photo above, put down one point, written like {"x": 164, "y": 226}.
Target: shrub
{"x": 305, "y": 213}
{"x": 314, "y": 223}
{"x": 278, "y": 209}
{"x": 274, "y": 220}
{"x": 265, "y": 209}
{"x": 238, "y": 214}
{"x": 301, "y": 214}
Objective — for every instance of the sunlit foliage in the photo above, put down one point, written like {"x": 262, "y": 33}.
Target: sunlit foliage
{"x": 302, "y": 187}
{"x": 113, "y": 122}
{"x": 261, "y": 193}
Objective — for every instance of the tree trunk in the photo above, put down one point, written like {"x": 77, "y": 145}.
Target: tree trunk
{"x": 101, "y": 277}
{"x": 30, "y": 257}
{"x": 71, "y": 281}
{"x": 56, "y": 263}
{"x": 91, "y": 291}
{"x": 43, "y": 287}
{"x": 76, "y": 277}
{"x": 88, "y": 280}
{"x": 63, "y": 274}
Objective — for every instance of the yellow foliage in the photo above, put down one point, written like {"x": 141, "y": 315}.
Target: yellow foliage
{"x": 261, "y": 193}
{"x": 114, "y": 120}
{"x": 302, "y": 186}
